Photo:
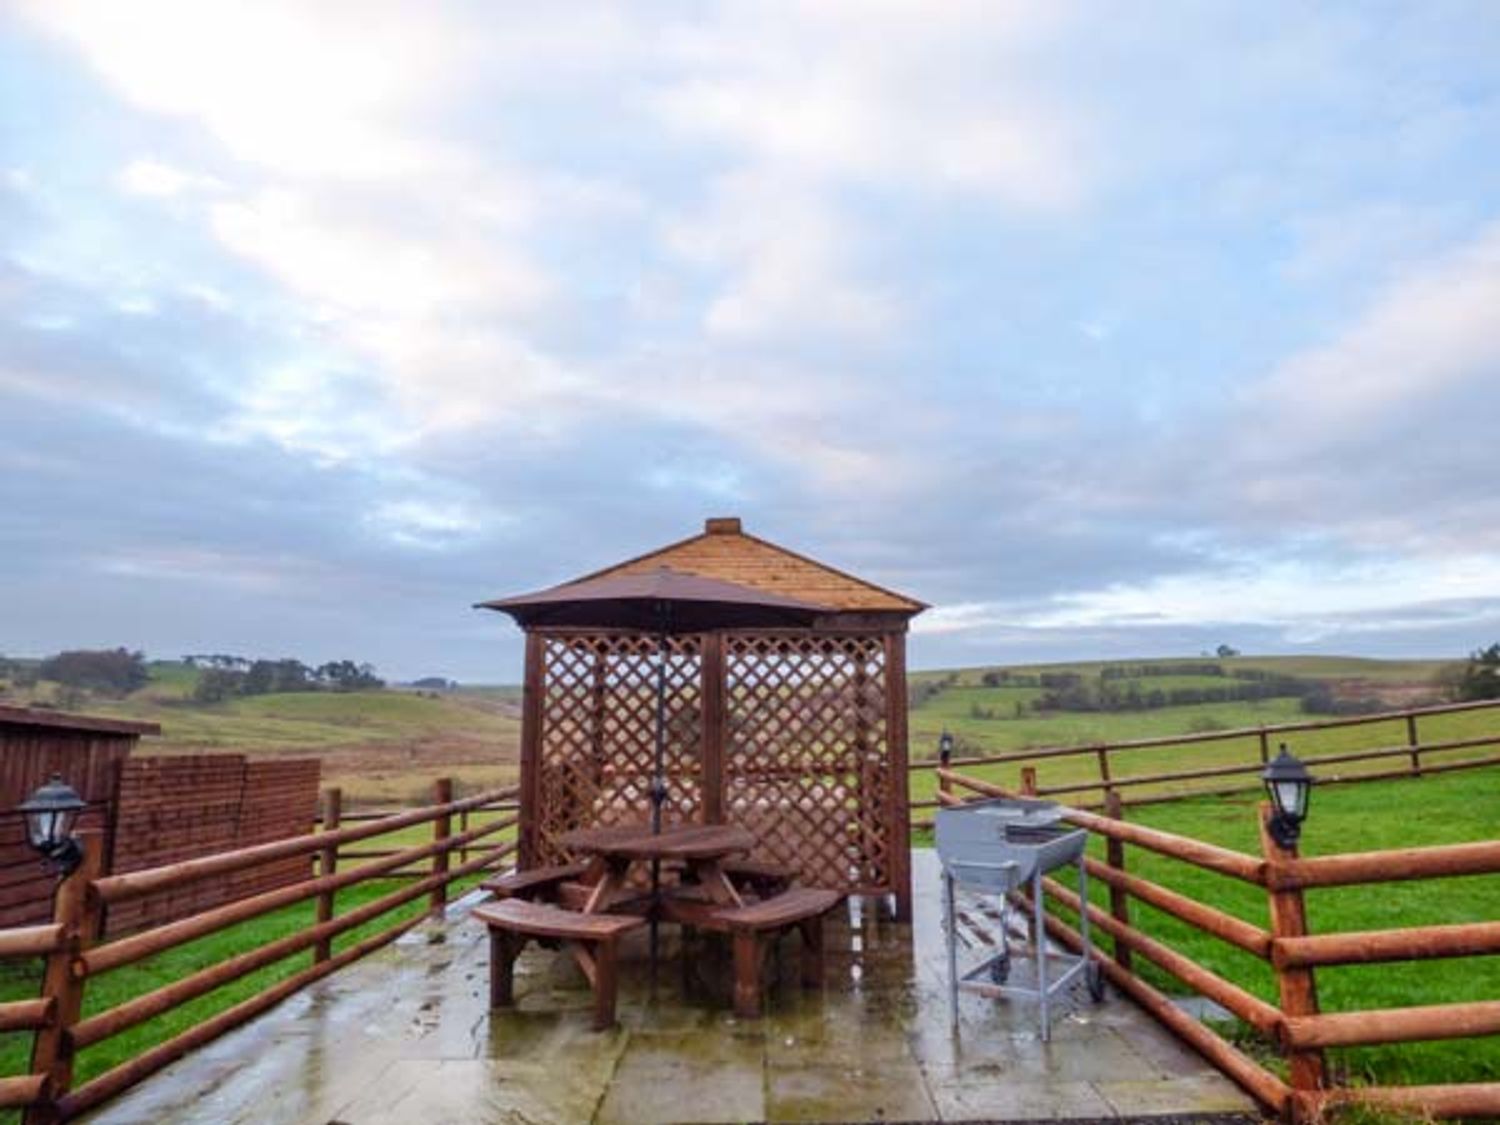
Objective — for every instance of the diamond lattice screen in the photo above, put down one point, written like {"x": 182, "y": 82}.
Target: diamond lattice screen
{"x": 598, "y": 734}
{"x": 806, "y": 764}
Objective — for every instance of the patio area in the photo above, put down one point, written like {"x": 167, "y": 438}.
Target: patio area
{"x": 406, "y": 1035}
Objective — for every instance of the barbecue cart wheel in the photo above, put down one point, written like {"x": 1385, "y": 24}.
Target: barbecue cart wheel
{"x": 1093, "y": 976}
{"x": 1000, "y": 968}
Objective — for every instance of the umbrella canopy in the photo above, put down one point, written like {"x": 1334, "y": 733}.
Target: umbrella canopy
{"x": 663, "y": 601}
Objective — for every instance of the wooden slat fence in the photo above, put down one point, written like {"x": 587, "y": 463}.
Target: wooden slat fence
{"x": 74, "y": 954}
{"x": 1294, "y": 1025}
{"x": 169, "y": 809}
{"x": 35, "y": 744}
{"x": 1254, "y": 746}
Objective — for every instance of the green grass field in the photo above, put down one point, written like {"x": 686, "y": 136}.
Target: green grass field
{"x": 21, "y": 980}
{"x": 1366, "y": 817}
{"x": 987, "y": 721}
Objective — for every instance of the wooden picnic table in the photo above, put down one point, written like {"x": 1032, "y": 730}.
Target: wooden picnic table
{"x": 702, "y": 849}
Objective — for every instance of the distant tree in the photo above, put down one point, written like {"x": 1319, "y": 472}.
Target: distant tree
{"x": 1224, "y": 652}
{"x": 345, "y": 675}
{"x": 1481, "y": 679}
{"x": 114, "y": 671}
{"x": 435, "y": 683}
{"x": 217, "y": 684}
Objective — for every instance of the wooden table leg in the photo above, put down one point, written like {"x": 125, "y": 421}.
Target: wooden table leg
{"x": 606, "y": 979}
{"x": 504, "y": 949}
{"x": 747, "y": 955}
{"x": 607, "y": 889}
{"x": 711, "y": 876}
{"x": 812, "y": 952}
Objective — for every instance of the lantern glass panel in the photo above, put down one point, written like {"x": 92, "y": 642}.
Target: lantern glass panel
{"x": 1291, "y": 798}
{"x": 42, "y": 828}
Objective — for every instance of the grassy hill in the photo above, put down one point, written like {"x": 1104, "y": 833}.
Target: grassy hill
{"x": 386, "y": 746}
{"x": 381, "y": 746}
{"x": 993, "y": 719}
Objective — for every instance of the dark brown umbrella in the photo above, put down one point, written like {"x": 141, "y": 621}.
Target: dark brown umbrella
{"x": 663, "y": 602}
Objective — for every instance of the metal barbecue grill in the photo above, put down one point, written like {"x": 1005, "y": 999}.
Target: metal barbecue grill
{"x": 993, "y": 848}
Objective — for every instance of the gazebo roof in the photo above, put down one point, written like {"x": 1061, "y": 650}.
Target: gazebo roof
{"x": 724, "y": 551}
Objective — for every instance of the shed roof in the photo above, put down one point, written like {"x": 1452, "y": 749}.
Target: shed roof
{"x": 726, "y": 552}
{"x": 33, "y": 717}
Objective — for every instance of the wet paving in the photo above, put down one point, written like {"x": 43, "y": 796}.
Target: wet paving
{"x": 406, "y": 1036}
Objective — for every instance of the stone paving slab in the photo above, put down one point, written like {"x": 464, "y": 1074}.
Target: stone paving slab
{"x": 406, "y": 1036}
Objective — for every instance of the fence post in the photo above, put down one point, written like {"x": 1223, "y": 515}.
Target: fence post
{"x": 79, "y": 914}
{"x": 1413, "y": 741}
{"x": 328, "y": 862}
{"x": 1265, "y": 748}
{"x": 1298, "y": 987}
{"x": 945, "y": 786}
{"x": 1028, "y": 781}
{"x": 442, "y": 828}
{"x": 1119, "y": 901}
{"x": 1103, "y": 752}
{"x": 463, "y": 828}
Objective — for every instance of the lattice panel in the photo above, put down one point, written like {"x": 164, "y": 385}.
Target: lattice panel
{"x": 806, "y": 764}
{"x": 598, "y": 733}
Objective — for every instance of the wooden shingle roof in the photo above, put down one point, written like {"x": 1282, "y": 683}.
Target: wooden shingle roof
{"x": 724, "y": 551}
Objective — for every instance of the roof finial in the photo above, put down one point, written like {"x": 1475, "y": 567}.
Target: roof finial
{"x": 722, "y": 525}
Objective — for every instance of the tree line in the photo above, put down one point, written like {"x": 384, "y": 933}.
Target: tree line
{"x": 225, "y": 677}
{"x": 120, "y": 671}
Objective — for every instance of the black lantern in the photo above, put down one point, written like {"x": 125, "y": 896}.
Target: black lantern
{"x": 51, "y": 813}
{"x": 945, "y": 747}
{"x": 1289, "y": 785}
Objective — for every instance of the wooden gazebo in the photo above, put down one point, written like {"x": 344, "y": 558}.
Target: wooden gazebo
{"x": 798, "y": 734}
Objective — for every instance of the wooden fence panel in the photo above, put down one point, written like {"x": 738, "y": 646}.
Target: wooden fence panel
{"x": 174, "y": 808}
{"x": 33, "y": 746}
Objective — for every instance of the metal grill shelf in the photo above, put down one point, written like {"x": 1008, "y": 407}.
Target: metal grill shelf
{"x": 993, "y": 848}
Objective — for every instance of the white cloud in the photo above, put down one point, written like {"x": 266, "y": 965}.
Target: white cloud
{"x": 155, "y": 178}
{"x": 428, "y": 524}
{"x": 927, "y": 96}
{"x": 788, "y": 258}
{"x": 1306, "y": 599}
{"x": 1428, "y": 333}
{"x": 293, "y": 87}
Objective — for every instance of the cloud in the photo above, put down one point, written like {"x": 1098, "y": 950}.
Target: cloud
{"x": 908, "y": 94}
{"x": 154, "y": 178}
{"x": 1429, "y": 334}
{"x": 1086, "y": 330}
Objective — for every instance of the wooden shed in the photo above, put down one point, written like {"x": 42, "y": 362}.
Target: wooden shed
{"x": 798, "y": 734}
{"x": 35, "y": 744}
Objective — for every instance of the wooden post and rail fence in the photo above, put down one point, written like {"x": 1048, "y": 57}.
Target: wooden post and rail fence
{"x": 1294, "y": 1025}
{"x": 1419, "y": 759}
{"x": 72, "y": 953}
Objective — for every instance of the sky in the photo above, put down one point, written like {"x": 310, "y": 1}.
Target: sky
{"x": 1105, "y": 335}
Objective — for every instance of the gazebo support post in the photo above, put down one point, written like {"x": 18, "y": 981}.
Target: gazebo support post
{"x": 532, "y": 698}
{"x": 898, "y": 819}
{"x": 712, "y": 688}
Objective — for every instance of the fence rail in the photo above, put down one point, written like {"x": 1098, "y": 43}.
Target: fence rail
{"x": 75, "y": 955}
{"x": 1108, "y": 777}
{"x": 1294, "y": 1025}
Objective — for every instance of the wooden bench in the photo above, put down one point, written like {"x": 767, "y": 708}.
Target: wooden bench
{"x": 540, "y": 883}
{"x": 590, "y": 938}
{"x": 755, "y": 928}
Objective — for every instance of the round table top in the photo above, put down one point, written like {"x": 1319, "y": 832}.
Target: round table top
{"x": 674, "y": 841}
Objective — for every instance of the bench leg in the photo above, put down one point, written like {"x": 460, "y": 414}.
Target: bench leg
{"x": 505, "y": 947}
{"x": 747, "y": 974}
{"x": 605, "y": 980}
{"x": 812, "y": 952}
